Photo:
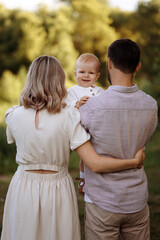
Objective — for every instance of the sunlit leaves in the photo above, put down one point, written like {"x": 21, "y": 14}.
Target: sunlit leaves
{"x": 21, "y": 39}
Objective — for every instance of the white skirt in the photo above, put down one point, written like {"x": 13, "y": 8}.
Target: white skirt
{"x": 41, "y": 207}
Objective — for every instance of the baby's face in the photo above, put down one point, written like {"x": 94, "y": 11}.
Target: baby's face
{"x": 87, "y": 73}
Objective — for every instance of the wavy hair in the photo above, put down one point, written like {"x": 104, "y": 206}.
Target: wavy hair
{"x": 45, "y": 85}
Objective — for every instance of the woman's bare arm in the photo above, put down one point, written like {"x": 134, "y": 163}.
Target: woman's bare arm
{"x": 107, "y": 164}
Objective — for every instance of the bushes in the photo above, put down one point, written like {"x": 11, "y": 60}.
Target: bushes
{"x": 7, "y": 154}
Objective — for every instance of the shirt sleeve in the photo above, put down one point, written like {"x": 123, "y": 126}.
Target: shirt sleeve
{"x": 78, "y": 135}
{"x": 85, "y": 112}
{"x": 8, "y": 120}
{"x": 71, "y": 98}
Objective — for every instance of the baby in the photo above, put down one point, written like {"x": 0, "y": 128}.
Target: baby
{"x": 87, "y": 73}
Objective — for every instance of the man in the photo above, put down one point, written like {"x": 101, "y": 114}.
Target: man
{"x": 121, "y": 120}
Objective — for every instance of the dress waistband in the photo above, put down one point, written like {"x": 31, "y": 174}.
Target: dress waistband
{"x": 38, "y": 176}
{"x": 41, "y": 167}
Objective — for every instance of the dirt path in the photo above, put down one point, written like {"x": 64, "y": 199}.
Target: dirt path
{"x": 5, "y": 178}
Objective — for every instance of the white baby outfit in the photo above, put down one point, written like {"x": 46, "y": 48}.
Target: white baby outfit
{"x": 76, "y": 92}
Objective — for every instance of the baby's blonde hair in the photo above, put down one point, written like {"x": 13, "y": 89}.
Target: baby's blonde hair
{"x": 88, "y": 57}
{"x": 45, "y": 85}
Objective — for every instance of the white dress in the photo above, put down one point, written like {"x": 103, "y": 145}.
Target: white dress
{"x": 42, "y": 206}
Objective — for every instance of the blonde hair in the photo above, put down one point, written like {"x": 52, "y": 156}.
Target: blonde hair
{"x": 45, "y": 85}
{"x": 87, "y": 57}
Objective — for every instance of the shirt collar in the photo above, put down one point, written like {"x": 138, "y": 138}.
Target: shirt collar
{"x": 119, "y": 88}
{"x": 77, "y": 86}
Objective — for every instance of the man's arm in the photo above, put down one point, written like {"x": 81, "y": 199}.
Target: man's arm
{"x": 101, "y": 164}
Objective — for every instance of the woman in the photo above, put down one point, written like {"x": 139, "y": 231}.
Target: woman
{"x": 41, "y": 201}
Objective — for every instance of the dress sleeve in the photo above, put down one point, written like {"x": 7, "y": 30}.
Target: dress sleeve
{"x": 8, "y": 120}
{"x": 78, "y": 135}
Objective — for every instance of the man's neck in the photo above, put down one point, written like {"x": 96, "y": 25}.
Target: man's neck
{"x": 121, "y": 79}
{"x": 123, "y": 83}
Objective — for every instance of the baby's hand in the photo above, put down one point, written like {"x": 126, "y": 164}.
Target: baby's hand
{"x": 81, "y": 182}
{"x": 82, "y": 101}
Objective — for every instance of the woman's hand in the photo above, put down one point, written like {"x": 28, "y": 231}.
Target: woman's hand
{"x": 140, "y": 157}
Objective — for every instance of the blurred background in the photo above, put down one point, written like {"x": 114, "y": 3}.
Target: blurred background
{"x": 66, "y": 29}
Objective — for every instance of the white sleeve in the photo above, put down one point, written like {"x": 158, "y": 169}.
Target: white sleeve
{"x": 78, "y": 135}
{"x": 8, "y": 119}
{"x": 71, "y": 98}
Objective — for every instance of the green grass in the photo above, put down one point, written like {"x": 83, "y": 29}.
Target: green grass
{"x": 3, "y": 191}
{"x": 152, "y": 168}
{"x": 7, "y": 154}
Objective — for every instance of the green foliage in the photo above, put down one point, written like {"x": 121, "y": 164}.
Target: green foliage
{"x": 152, "y": 88}
{"x": 152, "y": 168}
{"x": 76, "y": 28}
{"x": 7, "y": 154}
{"x": 10, "y": 89}
{"x": 21, "y": 39}
{"x": 58, "y": 42}
{"x": 123, "y": 23}
{"x": 74, "y": 161}
{"x": 148, "y": 24}
{"x": 11, "y": 86}
{"x": 143, "y": 26}
{"x": 93, "y": 32}
{"x": 71, "y": 30}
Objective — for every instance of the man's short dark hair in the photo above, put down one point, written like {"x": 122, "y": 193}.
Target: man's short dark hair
{"x": 125, "y": 55}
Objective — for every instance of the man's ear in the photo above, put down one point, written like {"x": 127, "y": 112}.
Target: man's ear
{"x": 110, "y": 64}
{"x": 138, "y": 67}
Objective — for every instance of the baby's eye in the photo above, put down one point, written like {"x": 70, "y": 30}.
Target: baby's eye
{"x": 91, "y": 73}
{"x": 81, "y": 71}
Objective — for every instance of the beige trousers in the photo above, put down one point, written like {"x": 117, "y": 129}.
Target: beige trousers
{"x": 103, "y": 225}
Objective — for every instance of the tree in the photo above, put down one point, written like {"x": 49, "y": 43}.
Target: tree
{"x": 10, "y": 89}
{"x": 148, "y": 24}
{"x": 93, "y": 32}
{"x": 21, "y": 39}
{"x": 143, "y": 26}
{"x": 59, "y": 29}
{"x": 123, "y": 22}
